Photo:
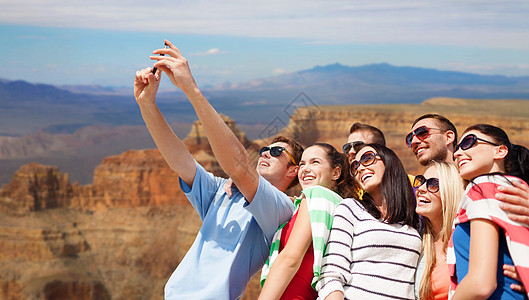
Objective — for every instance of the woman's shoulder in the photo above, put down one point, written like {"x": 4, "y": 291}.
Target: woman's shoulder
{"x": 353, "y": 205}
{"x": 485, "y": 186}
{"x": 319, "y": 191}
{"x": 495, "y": 178}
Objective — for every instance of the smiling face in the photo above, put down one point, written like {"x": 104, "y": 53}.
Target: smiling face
{"x": 370, "y": 177}
{"x": 274, "y": 168}
{"x": 478, "y": 159}
{"x": 433, "y": 147}
{"x": 429, "y": 204}
{"x": 315, "y": 168}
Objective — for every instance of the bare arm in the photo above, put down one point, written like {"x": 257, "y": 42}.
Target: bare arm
{"x": 230, "y": 153}
{"x": 336, "y": 295}
{"x": 171, "y": 147}
{"x": 515, "y": 201}
{"x": 289, "y": 259}
{"x": 480, "y": 281}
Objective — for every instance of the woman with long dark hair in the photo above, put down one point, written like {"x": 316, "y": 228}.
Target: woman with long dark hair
{"x": 374, "y": 244}
{"x": 484, "y": 237}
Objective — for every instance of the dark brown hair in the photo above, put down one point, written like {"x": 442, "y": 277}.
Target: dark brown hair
{"x": 396, "y": 190}
{"x": 443, "y": 122}
{"x": 378, "y": 135}
{"x": 345, "y": 185}
{"x": 516, "y": 163}
{"x": 297, "y": 151}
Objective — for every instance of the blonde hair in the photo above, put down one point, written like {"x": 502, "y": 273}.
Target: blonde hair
{"x": 450, "y": 191}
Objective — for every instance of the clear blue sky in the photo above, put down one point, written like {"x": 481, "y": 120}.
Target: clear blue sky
{"x": 105, "y": 42}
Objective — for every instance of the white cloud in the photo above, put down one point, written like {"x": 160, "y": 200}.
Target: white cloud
{"x": 279, "y": 71}
{"x": 211, "y": 51}
{"x": 485, "y": 23}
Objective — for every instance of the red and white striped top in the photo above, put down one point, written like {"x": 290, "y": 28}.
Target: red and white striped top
{"x": 479, "y": 202}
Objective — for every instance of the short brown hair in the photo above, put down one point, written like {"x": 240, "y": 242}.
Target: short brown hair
{"x": 443, "y": 122}
{"x": 297, "y": 151}
{"x": 378, "y": 136}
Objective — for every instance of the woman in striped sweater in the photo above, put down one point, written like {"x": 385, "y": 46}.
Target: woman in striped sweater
{"x": 374, "y": 244}
{"x": 484, "y": 237}
{"x": 297, "y": 249}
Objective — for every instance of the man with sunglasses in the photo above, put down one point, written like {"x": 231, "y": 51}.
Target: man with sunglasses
{"x": 360, "y": 134}
{"x": 234, "y": 239}
{"x": 434, "y": 138}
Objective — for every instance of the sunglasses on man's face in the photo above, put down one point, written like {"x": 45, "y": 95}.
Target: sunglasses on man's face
{"x": 432, "y": 184}
{"x": 421, "y": 133}
{"x": 366, "y": 159}
{"x": 352, "y": 145}
{"x": 469, "y": 141}
{"x": 275, "y": 151}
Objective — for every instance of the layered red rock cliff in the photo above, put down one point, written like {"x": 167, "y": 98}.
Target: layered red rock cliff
{"x": 123, "y": 235}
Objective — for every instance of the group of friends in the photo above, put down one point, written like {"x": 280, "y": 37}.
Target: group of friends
{"x": 362, "y": 227}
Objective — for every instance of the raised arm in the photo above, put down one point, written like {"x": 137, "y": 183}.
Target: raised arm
{"x": 230, "y": 153}
{"x": 171, "y": 147}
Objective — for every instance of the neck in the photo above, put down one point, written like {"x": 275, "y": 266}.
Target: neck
{"x": 380, "y": 202}
{"x": 437, "y": 227}
{"x": 281, "y": 185}
{"x": 449, "y": 158}
{"x": 497, "y": 167}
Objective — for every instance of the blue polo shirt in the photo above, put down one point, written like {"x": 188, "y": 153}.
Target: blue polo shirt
{"x": 233, "y": 242}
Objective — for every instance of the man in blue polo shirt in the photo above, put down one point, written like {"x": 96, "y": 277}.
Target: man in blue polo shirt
{"x": 234, "y": 239}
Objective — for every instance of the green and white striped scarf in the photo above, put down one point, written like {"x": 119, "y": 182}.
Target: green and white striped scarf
{"x": 321, "y": 203}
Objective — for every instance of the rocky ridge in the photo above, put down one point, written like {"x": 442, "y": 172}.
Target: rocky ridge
{"x": 122, "y": 236}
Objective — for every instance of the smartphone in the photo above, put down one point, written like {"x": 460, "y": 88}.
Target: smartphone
{"x": 166, "y": 47}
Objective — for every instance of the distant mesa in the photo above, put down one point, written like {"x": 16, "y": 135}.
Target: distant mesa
{"x": 131, "y": 179}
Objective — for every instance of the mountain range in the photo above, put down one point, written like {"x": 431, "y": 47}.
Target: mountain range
{"x": 72, "y": 125}
{"x": 27, "y": 107}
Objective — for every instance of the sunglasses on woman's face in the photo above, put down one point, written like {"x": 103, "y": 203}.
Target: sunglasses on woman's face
{"x": 275, "y": 151}
{"x": 421, "y": 133}
{"x": 432, "y": 184}
{"x": 469, "y": 141}
{"x": 354, "y": 145}
{"x": 366, "y": 159}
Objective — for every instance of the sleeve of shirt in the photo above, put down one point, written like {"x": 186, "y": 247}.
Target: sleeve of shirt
{"x": 322, "y": 203}
{"x": 204, "y": 189}
{"x": 335, "y": 272}
{"x": 270, "y": 207}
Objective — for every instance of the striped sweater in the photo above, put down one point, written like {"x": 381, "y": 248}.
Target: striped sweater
{"x": 367, "y": 258}
{"x": 321, "y": 203}
{"x": 479, "y": 202}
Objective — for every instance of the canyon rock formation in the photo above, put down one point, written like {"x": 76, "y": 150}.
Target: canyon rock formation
{"x": 123, "y": 235}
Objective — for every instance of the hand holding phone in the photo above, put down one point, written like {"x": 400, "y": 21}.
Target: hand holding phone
{"x": 154, "y": 69}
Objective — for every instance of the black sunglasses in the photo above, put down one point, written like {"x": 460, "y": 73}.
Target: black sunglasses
{"x": 276, "y": 151}
{"x": 432, "y": 184}
{"x": 421, "y": 133}
{"x": 470, "y": 140}
{"x": 366, "y": 159}
{"x": 354, "y": 145}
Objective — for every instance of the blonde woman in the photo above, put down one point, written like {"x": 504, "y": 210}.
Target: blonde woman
{"x": 438, "y": 192}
